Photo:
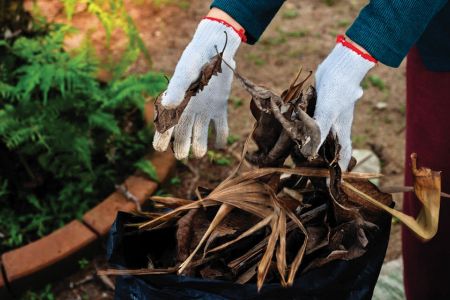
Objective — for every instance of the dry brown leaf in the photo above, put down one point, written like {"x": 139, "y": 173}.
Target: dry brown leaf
{"x": 184, "y": 235}
{"x": 281, "y": 249}
{"x": 266, "y": 260}
{"x": 404, "y": 189}
{"x": 171, "y": 202}
{"x": 427, "y": 187}
{"x": 261, "y": 224}
{"x": 247, "y": 275}
{"x": 223, "y": 211}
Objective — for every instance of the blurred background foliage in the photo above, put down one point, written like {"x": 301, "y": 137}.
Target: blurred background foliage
{"x": 66, "y": 137}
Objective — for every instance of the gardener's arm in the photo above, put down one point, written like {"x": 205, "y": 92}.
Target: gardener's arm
{"x": 388, "y": 29}
{"x": 253, "y": 15}
{"x": 385, "y": 31}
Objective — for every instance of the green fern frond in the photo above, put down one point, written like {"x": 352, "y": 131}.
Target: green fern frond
{"x": 76, "y": 137}
{"x": 104, "y": 120}
{"x": 69, "y": 7}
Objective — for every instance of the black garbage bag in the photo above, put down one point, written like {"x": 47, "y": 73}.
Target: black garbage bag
{"x": 128, "y": 248}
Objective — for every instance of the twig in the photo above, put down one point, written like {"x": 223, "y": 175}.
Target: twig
{"x": 366, "y": 158}
{"x": 403, "y": 189}
{"x": 105, "y": 279}
{"x": 194, "y": 181}
{"x": 238, "y": 156}
{"x": 86, "y": 279}
{"x": 129, "y": 196}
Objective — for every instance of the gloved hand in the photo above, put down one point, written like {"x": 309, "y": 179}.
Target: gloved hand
{"x": 208, "y": 105}
{"x": 338, "y": 80}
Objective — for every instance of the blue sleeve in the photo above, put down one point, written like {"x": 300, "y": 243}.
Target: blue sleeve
{"x": 387, "y": 29}
{"x": 253, "y": 15}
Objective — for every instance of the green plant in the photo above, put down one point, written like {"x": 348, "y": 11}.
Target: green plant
{"x": 330, "y": 2}
{"x": 65, "y": 138}
{"x": 283, "y": 36}
{"x": 365, "y": 83}
{"x": 175, "y": 181}
{"x": 401, "y": 110}
{"x": 113, "y": 16}
{"x": 181, "y": 4}
{"x": 148, "y": 168}
{"x": 290, "y": 14}
{"x": 232, "y": 139}
{"x": 377, "y": 82}
{"x": 219, "y": 158}
{"x": 359, "y": 140}
{"x": 83, "y": 263}
{"x": 44, "y": 294}
{"x": 295, "y": 33}
{"x": 343, "y": 23}
{"x": 256, "y": 59}
{"x": 237, "y": 102}
{"x": 274, "y": 41}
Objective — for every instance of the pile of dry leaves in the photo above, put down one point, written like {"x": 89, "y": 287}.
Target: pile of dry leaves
{"x": 272, "y": 223}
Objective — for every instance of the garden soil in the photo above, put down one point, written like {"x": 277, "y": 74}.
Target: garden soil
{"x": 303, "y": 33}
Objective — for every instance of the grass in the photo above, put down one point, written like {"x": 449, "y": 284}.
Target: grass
{"x": 219, "y": 158}
{"x": 83, "y": 263}
{"x": 290, "y": 14}
{"x": 330, "y": 2}
{"x": 256, "y": 59}
{"x": 175, "y": 181}
{"x": 377, "y": 82}
{"x": 374, "y": 81}
{"x": 343, "y": 23}
{"x": 232, "y": 139}
{"x": 365, "y": 84}
{"x": 282, "y": 37}
{"x": 296, "y": 53}
{"x": 44, "y": 294}
{"x": 274, "y": 41}
{"x": 295, "y": 33}
{"x": 359, "y": 140}
{"x": 236, "y": 101}
{"x": 183, "y": 4}
{"x": 147, "y": 168}
{"x": 402, "y": 109}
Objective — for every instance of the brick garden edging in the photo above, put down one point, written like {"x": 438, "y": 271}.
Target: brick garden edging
{"x": 57, "y": 254}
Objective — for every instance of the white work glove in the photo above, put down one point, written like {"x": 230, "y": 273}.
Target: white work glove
{"x": 208, "y": 105}
{"x": 338, "y": 80}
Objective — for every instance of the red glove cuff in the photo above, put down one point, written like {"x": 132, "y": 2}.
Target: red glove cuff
{"x": 341, "y": 40}
{"x": 241, "y": 32}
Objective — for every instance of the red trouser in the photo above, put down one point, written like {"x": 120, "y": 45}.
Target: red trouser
{"x": 427, "y": 265}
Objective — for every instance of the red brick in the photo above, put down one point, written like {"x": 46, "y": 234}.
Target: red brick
{"x": 164, "y": 163}
{"x": 101, "y": 217}
{"x": 2, "y": 282}
{"x": 140, "y": 187}
{"x": 47, "y": 251}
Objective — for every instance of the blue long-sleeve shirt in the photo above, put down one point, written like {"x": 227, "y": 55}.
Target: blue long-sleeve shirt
{"x": 387, "y": 29}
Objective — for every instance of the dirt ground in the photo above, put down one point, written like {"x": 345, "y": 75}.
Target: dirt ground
{"x": 302, "y": 34}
